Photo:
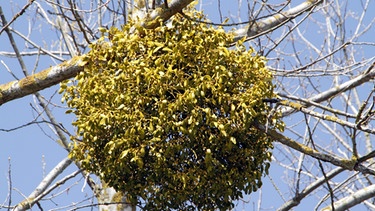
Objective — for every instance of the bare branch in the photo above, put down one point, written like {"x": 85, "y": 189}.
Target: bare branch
{"x": 30, "y": 200}
{"x": 313, "y": 186}
{"x": 344, "y": 163}
{"x": 163, "y": 13}
{"x": 41, "y": 80}
{"x": 367, "y": 75}
{"x": 263, "y": 26}
{"x": 299, "y": 107}
{"x": 354, "y": 199}
{"x": 6, "y": 25}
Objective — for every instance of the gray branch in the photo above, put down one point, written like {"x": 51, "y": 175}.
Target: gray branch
{"x": 353, "y": 199}
{"x": 41, "y": 80}
{"x": 44, "y": 184}
{"x": 256, "y": 28}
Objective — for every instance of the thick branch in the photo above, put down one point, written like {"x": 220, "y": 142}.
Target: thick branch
{"x": 263, "y": 26}
{"x": 354, "y": 199}
{"x": 347, "y": 164}
{"x": 344, "y": 163}
{"x": 164, "y": 14}
{"x": 44, "y": 79}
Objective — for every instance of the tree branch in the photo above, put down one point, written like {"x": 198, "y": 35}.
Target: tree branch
{"x": 344, "y": 163}
{"x": 29, "y": 201}
{"x": 354, "y": 199}
{"x": 310, "y": 188}
{"x": 368, "y": 75}
{"x": 303, "y": 109}
{"x": 255, "y": 29}
{"x": 41, "y": 80}
{"x": 163, "y": 13}
{"x": 24, "y": 8}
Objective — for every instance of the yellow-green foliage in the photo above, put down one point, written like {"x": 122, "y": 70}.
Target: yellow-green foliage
{"x": 166, "y": 116}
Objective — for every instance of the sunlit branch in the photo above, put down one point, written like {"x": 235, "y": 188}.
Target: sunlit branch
{"x": 263, "y": 26}
{"x": 44, "y": 184}
{"x": 307, "y": 102}
{"x": 354, "y": 199}
{"x": 56, "y": 185}
{"x": 41, "y": 80}
{"x": 6, "y": 25}
{"x": 310, "y": 188}
{"x": 300, "y": 107}
{"x": 33, "y": 53}
{"x": 345, "y": 163}
{"x": 366, "y": 76}
{"x": 164, "y": 14}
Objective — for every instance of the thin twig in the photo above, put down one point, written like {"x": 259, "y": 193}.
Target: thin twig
{"x": 6, "y": 25}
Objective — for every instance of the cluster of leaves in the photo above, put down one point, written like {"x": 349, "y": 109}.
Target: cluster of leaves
{"x": 166, "y": 115}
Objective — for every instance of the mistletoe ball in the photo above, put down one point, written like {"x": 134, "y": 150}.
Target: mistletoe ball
{"x": 166, "y": 115}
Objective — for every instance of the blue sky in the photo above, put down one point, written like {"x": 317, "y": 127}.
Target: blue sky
{"x": 32, "y": 154}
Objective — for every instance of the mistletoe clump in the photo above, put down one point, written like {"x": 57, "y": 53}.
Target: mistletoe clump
{"x": 166, "y": 115}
